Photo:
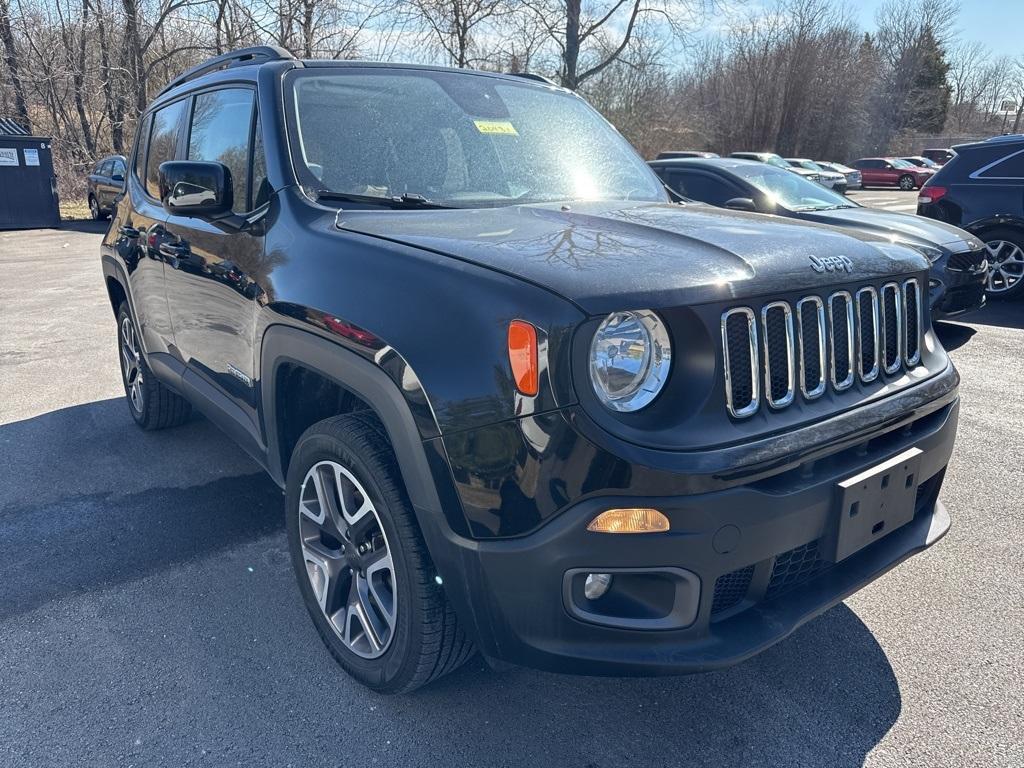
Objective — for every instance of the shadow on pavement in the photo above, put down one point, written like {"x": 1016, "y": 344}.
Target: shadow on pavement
{"x": 953, "y": 335}
{"x": 86, "y": 225}
{"x": 1004, "y": 314}
{"x": 118, "y": 588}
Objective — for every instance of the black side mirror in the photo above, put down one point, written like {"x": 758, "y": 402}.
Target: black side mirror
{"x": 117, "y": 177}
{"x": 741, "y": 204}
{"x": 194, "y": 188}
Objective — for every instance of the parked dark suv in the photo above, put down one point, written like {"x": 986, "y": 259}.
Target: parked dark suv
{"x": 104, "y": 184}
{"x": 981, "y": 189}
{"x": 518, "y": 400}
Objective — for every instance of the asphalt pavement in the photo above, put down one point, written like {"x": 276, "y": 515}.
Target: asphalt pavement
{"x": 149, "y": 615}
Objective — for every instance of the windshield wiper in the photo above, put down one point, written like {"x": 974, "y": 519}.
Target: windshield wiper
{"x": 406, "y": 200}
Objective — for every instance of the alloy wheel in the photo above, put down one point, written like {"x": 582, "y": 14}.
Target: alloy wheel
{"x": 906, "y": 183}
{"x": 131, "y": 361}
{"x": 1005, "y": 265}
{"x": 347, "y": 558}
{"x": 94, "y": 208}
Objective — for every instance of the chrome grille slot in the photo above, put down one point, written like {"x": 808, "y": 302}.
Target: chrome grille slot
{"x": 846, "y": 337}
{"x": 739, "y": 348}
{"x": 892, "y": 325}
{"x": 779, "y": 352}
{"x": 912, "y": 326}
{"x": 867, "y": 333}
{"x": 840, "y": 315}
{"x": 810, "y": 313}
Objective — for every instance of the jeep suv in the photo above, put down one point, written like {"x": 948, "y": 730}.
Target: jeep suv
{"x": 518, "y": 400}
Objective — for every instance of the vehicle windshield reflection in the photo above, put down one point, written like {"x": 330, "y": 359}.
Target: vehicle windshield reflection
{"x": 792, "y": 191}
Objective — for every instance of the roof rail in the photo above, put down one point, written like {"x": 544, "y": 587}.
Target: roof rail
{"x": 533, "y": 76}
{"x": 257, "y": 54}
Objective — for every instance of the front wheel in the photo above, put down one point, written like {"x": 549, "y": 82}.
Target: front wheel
{"x": 1005, "y": 248}
{"x": 94, "y": 208}
{"x": 907, "y": 182}
{"x": 363, "y": 568}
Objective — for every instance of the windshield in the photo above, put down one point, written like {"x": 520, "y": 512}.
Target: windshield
{"x": 456, "y": 139}
{"x": 775, "y": 160}
{"x": 791, "y": 191}
{"x": 810, "y": 165}
{"x": 902, "y": 164}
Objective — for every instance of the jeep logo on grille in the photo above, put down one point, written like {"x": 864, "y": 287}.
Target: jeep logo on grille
{"x": 831, "y": 264}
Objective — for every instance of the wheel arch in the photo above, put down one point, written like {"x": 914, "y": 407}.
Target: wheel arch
{"x": 980, "y": 226}
{"x": 426, "y": 477}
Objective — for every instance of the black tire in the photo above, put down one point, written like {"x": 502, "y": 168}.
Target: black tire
{"x": 907, "y": 182}
{"x": 94, "y": 209}
{"x": 426, "y": 641}
{"x": 153, "y": 405}
{"x": 1009, "y": 237}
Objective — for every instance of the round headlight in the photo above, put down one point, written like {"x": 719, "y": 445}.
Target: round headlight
{"x": 630, "y": 358}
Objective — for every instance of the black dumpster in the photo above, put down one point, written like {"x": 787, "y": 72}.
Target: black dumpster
{"x": 28, "y": 188}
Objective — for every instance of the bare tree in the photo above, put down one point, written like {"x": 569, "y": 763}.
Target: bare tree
{"x": 11, "y": 60}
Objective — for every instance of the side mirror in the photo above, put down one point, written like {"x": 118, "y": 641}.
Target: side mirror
{"x": 741, "y": 204}
{"x": 194, "y": 188}
{"x": 117, "y": 177}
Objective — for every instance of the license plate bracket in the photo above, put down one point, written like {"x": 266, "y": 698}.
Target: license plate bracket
{"x": 875, "y": 502}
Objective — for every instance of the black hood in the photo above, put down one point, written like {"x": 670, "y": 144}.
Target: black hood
{"x": 611, "y": 256}
{"x": 902, "y": 226}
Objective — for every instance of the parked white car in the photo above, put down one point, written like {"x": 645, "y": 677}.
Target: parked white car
{"x": 853, "y": 179}
{"x": 831, "y": 179}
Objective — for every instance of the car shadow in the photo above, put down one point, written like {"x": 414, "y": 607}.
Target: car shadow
{"x": 141, "y": 540}
{"x": 953, "y": 335}
{"x": 85, "y": 225}
{"x": 1003, "y": 314}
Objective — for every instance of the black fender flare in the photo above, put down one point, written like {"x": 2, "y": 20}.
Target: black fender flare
{"x": 425, "y": 470}
{"x": 283, "y": 344}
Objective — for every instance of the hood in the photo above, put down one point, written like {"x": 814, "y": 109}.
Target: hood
{"x": 897, "y": 226}
{"x": 607, "y": 256}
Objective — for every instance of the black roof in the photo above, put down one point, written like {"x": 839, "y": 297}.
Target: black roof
{"x": 9, "y": 127}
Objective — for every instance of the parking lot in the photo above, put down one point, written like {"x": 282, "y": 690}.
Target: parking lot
{"x": 149, "y": 615}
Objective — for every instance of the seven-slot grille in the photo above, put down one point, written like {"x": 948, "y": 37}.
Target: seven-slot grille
{"x": 819, "y": 341}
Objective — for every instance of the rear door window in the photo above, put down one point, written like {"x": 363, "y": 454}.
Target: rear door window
{"x": 139, "y": 163}
{"x": 163, "y": 142}
{"x": 1009, "y": 166}
{"x": 220, "y": 132}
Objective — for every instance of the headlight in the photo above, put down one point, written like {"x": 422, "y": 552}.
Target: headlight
{"x": 930, "y": 252}
{"x": 630, "y": 358}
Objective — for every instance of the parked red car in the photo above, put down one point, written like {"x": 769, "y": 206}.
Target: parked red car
{"x": 891, "y": 172}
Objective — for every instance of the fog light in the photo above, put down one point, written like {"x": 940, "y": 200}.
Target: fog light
{"x": 596, "y": 585}
{"x": 629, "y": 521}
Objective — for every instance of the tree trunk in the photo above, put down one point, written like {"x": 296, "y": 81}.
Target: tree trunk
{"x": 11, "y": 59}
{"x": 571, "y": 55}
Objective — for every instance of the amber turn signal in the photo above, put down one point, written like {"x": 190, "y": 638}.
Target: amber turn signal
{"x": 629, "y": 521}
{"x": 522, "y": 354}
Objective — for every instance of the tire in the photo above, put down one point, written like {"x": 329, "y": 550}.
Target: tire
{"x": 421, "y": 640}
{"x": 1005, "y": 279}
{"x": 94, "y": 209}
{"x": 152, "y": 405}
{"x": 907, "y": 182}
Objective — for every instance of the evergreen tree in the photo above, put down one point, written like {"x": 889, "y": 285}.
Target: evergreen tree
{"x": 929, "y": 87}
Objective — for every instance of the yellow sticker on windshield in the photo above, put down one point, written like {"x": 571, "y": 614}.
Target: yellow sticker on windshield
{"x": 503, "y": 127}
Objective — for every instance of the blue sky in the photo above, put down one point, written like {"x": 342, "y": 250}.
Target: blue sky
{"x": 997, "y": 23}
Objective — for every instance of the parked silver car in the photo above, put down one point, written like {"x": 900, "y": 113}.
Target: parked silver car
{"x": 853, "y": 179}
{"x": 772, "y": 159}
{"x": 831, "y": 179}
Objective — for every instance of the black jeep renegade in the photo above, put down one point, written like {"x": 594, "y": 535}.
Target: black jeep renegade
{"x": 519, "y": 401}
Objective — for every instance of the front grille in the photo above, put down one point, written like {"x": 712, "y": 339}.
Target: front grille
{"x": 849, "y": 336}
{"x": 731, "y": 588}
{"x": 794, "y": 567}
{"x": 968, "y": 261}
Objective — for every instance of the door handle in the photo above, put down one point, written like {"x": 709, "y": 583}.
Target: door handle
{"x": 131, "y": 232}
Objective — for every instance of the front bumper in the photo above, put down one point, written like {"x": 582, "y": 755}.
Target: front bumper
{"x": 956, "y": 285}
{"x": 756, "y": 551}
